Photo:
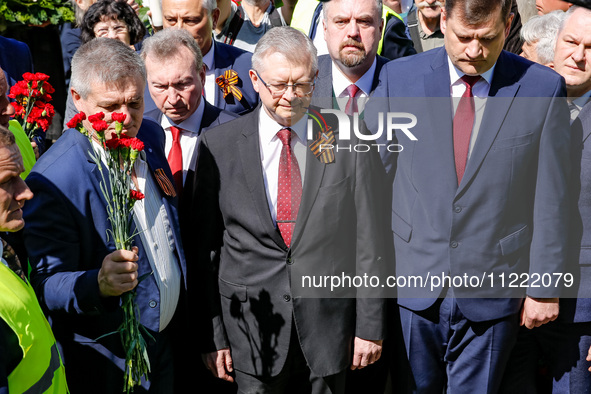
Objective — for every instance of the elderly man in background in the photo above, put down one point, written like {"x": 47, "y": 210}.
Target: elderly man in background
{"x": 76, "y": 271}
{"x": 226, "y": 73}
{"x": 268, "y": 209}
{"x": 539, "y": 37}
{"x": 563, "y": 344}
{"x": 29, "y": 361}
{"x": 423, "y": 24}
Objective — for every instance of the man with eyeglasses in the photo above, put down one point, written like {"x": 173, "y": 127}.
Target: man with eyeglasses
{"x": 272, "y": 211}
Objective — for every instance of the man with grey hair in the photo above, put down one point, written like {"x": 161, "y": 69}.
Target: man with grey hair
{"x": 539, "y": 37}
{"x": 349, "y": 73}
{"x": 226, "y": 73}
{"x": 272, "y": 209}
{"x": 76, "y": 271}
{"x": 423, "y": 24}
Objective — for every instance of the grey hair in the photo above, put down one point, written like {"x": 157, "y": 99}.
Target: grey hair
{"x": 542, "y": 30}
{"x": 168, "y": 42}
{"x": 289, "y": 42}
{"x": 379, "y": 7}
{"x": 104, "y": 60}
{"x": 567, "y": 16}
{"x": 209, "y": 5}
{"x": 6, "y": 137}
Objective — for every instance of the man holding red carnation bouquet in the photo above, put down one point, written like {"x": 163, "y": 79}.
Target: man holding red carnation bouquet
{"x": 84, "y": 263}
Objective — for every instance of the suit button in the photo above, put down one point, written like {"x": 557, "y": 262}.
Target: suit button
{"x": 454, "y": 244}
{"x": 289, "y": 261}
{"x": 286, "y": 298}
{"x": 457, "y": 209}
{"x": 152, "y": 304}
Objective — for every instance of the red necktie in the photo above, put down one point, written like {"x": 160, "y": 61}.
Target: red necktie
{"x": 462, "y": 126}
{"x": 289, "y": 188}
{"x": 351, "y": 106}
{"x": 175, "y": 159}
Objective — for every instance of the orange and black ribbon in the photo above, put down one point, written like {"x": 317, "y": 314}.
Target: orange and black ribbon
{"x": 227, "y": 82}
{"x": 164, "y": 183}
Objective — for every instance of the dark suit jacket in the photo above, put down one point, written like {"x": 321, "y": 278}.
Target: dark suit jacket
{"x": 509, "y": 214}
{"x": 229, "y": 57}
{"x": 212, "y": 117}
{"x": 15, "y": 59}
{"x": 257, "y": 297}
{"x": 575, "y": 305}
{"x": 66, "y": 238}
{"x": 323, "y": 93}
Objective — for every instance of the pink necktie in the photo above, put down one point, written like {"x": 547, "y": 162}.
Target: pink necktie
{"x": 463, "y": 124}
{"x": 175, "y": 159}
{"x": 351, "y": 106}
{"x": 289, "y": 188}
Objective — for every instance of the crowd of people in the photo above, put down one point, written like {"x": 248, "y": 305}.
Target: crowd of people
{"x": 337, "y": 197}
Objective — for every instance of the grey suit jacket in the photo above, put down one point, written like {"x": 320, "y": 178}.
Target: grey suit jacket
{"x": 257, "y": 297}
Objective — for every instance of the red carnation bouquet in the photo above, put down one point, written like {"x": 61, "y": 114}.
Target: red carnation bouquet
{"x": 120, "y": 154}
{"x": 32, "y": 108}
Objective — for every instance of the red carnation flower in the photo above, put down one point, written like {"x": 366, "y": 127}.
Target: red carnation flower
{"x": 96, "y": 117}
{"x": 135, "y": 195}
{"x": 99, "y": 125}
{"x": 76, "y": 120}
{"x": 118, "y": 117}
{"x": 113, "y": 143}
{"x": 137, "y": 144}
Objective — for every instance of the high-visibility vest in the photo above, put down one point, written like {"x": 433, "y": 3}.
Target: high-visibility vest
{"x": 41, "y": 369}
{"x": 304, "y": 13}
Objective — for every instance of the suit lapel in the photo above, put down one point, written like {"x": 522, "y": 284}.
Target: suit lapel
{"x": 249, "y": 152}
{"x": 435, "y": 114}
{"x": 314, "y": 173}
{"x": 323, "y": 94}
{"x": 502, "y": 91}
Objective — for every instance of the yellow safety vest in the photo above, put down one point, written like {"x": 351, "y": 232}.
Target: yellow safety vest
{"x": 304, "y": 11}
{"x": 41, "y": 370}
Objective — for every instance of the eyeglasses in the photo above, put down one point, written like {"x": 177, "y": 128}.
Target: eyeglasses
{"x": 103, "y": 31}
{"x": 299, "y": 88}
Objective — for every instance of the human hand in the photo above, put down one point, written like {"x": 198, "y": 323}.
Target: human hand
{"x": 118, "y": 272}
{"x": 365, "y": 352}
{"x": 134, "y": 5}
{"x": 219, "y": 363}
{"x": 589, "y": 357}
{"x": 35, "y": 149}
{"x": 538, "y": 311}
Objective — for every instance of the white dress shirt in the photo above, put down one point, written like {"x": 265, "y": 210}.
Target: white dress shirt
{"x": 479, "y": 91}
{"x": 210, "y": 85}
{"x": 189, "y": 137}
{"x": 270, "y": 146}
{"x": 340, "y": 83}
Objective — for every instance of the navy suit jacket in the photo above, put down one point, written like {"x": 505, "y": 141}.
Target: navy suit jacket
{"x": 575, "y": 306}
{"x": 66, "y": 239}
{"x": 323, "y": 93}
{"x": 509, "y": 213}
{"x": 15, "y": 59}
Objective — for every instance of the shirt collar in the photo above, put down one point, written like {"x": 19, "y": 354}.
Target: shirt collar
{"x": 192, "y": 123}
{"x": 208, "y": 57}
{"x": 268, "y": 128}
{"x": 340, "y": 82}
{"x": 455, "y": 74}
{"x": 581, "y": 101}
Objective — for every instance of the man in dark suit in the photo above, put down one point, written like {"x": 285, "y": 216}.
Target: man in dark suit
{"x": 76, "y": 271}
{"x": 479, "y": 189}
{"x": 564, "y": 343}
{"x": 175, "y": 77}
{"x": 223, "y": 90}
{"x": 257, "y": 242}
{"x": 350, "y": 71}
